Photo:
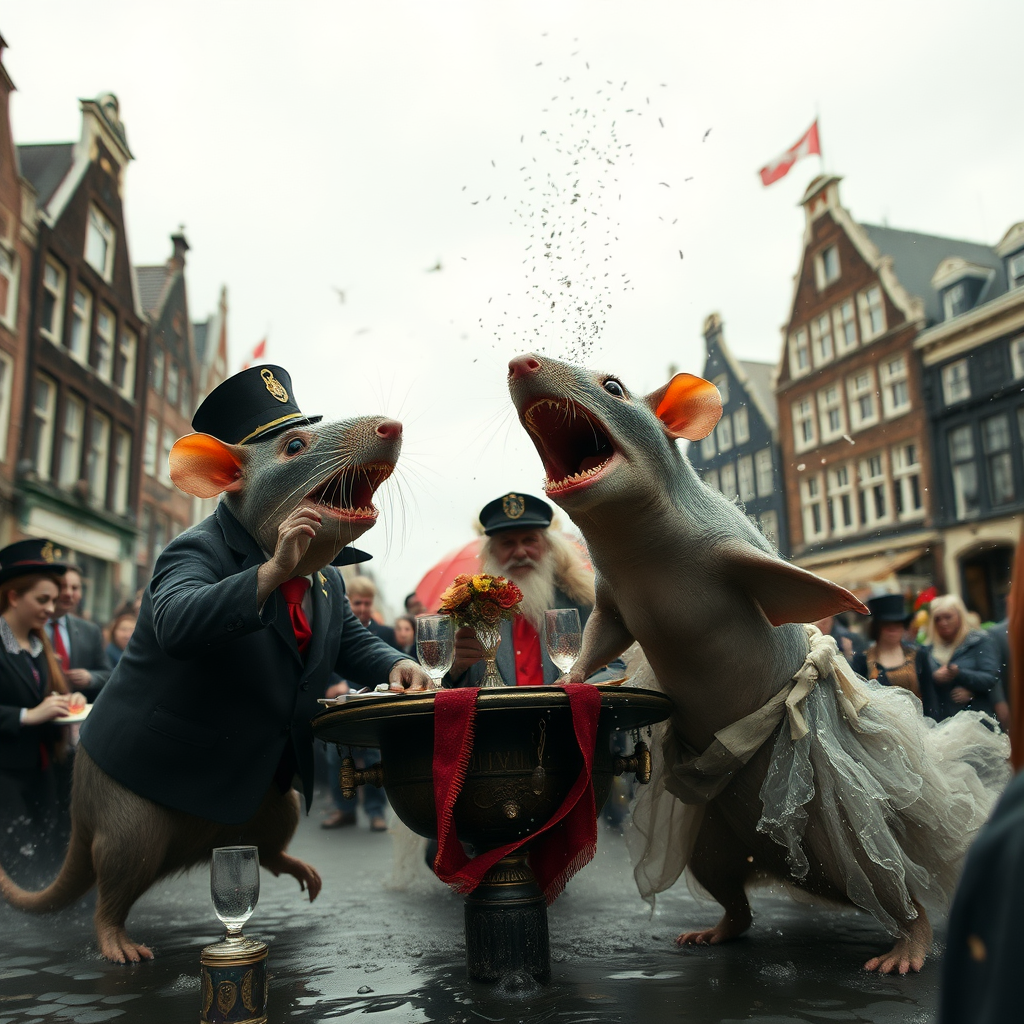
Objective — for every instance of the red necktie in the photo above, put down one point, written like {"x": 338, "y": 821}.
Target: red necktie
{"x": 293, "y": 591}
{"x": 60, "y": 649}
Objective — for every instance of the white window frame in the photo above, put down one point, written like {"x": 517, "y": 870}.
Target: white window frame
{"x": 904, "y": 473}
{"x": 81, "y": 325}
{"x": 159, "y": 367}
{"x": 727, "y": 476}
{"x": 954, "y": 294}
{"x": 105, "y": 337}
{"x": 173, "y": 382}
{"x": 122, "y": 469}
{"x": 822, "y": 349}
{"x": 764, "y": 472}
{"x": 831, "y": 414}
{"x": 1017, "y": 356}
{"x": 803, "y": 412}
{"x": 871, "y": 304}
{"x": 741, "y": 425}
{"x": 812, "y": 497}
{"x": 842, "y": 500}
{"x": 1015, "y": 270}
{"x": 97, "y": 460}
{"x": 844, "y": 322}
{"x": 707, "y": 447}
{"x": 956, "y": 382}
{"x": 169, "y": 438}
{"x": 894, "y": 371}
{"x": 799, "y": 353}
{"x": 745, "y": 480}
{"x": 10, "y": 271}
{"x": 873, "y": 483}
{"x": 6, "y": 396}
{"x": 769, "y": 523}
{"x": 711, "y": 479}
{"x": 72, "y": 438}
{"x": 128, "y": 355}
{"x": 723, "y": 434}
{"x": 57, "y": 292}
{"x": 722, "y": 383}
{"x": 861, "y": 386}
{"x": 824, "y": 275}
{"x": 998, "y": 459}
{"x": 100, "y": 242}
{"x": 149, "y": 452}
{"x": 42, "y": 425}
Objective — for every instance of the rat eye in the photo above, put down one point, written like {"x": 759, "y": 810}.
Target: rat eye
{"x": 295, "y": 445}
{"x": 613, "y": 387}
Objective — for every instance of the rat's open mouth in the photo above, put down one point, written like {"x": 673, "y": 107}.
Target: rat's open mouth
{"x": 573, "y": 445}
{"x": 348, "y": 494}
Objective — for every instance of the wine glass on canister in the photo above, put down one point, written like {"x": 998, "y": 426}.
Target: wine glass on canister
{"x": 563, "y": 636}
{"x": 435, "y": 645}
{"x": 235, "y": 887}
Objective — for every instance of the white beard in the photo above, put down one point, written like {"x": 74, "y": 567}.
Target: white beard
{"x": 537, "y": 585}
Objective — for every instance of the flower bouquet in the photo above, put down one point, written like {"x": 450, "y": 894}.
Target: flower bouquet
{"x": 482, "y": 601}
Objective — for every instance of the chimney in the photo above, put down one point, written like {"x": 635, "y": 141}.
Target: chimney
{"x": 821, "y": 196}
{"x": 177, "y": 260}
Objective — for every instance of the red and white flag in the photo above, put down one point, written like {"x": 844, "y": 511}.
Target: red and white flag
{"x": 257, "y": 354}
{"x": 779, "y": 167}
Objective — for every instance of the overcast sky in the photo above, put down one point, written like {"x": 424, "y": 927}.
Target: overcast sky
{"x": 324, "y": 157}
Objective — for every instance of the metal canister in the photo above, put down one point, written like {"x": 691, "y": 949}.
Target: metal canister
{"x": 234, "y": 987}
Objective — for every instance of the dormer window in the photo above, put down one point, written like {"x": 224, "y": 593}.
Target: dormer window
{"x": 1015, "y": 270}
{"x": 826, "y": 267}
{"x": 956, "y": 300}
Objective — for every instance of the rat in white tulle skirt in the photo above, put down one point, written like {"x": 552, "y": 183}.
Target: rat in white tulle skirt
{"x": 838, "y": 786}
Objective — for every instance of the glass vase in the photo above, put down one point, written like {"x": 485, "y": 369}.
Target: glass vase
{"x": 490, "y": 638}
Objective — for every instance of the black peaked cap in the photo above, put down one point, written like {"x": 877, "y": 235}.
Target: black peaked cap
{"x": 514, "y": 511}
{"x": 888, "y": 608}
{"x": 251, "y": 405}
{"x": 27, "y": 557}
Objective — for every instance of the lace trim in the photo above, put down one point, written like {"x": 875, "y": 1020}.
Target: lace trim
{"x": 11, "y": 644}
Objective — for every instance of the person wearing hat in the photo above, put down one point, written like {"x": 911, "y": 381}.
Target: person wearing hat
{"x": 550, "y": 571}
{"x": 239, "y": 629}
{"x": 890, "y": 660}
{"x": 33, "y": 691}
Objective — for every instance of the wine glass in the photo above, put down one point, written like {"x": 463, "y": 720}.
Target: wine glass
{"x": 235, "y": 886}
{"x": 435, "y": 645}
{"x": 563, "y": 636}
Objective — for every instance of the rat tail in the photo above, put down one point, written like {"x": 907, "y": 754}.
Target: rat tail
{"x": 77, "y": 876}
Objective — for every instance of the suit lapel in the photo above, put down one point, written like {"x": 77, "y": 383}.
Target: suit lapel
{"x": 26, "y": 678}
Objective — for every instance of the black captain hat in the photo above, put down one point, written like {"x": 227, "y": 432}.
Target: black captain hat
{"x": 27, "y": 557}
{"x": 514, "y": 511}
{"x": 251, "y": 405}
{"x": 888, "y": 608}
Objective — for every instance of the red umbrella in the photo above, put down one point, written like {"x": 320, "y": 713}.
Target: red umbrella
{"x": 437, "y": 580}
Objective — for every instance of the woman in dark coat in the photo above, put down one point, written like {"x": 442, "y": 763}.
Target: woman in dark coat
{"x": 965, "y": 661}
{"x": 33, "y": 691}
{"x": 890, "y": 660}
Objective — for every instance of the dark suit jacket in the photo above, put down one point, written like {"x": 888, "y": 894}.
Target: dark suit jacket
{"x": 386, "y": 633}
{"x": 88, "y": 651}
{"x": 19, "y": 745}
{"x": 505, "y": 659}
{"x": 211, "y": 695}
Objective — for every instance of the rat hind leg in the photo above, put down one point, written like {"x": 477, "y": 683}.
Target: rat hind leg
{"x": 723, "y": 865}
{"x": 122, "y": 877}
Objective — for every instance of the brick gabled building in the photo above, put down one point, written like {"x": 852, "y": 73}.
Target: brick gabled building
{"x": 17, "y": 244}
{"x": 210, "y": 340}
{"x": 741, "y": 456}
{"x": 170, "y": 400}
{"x": 87, "y": 357}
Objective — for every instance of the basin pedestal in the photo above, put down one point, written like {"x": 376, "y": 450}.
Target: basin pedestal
{"x": 524, "y": 763}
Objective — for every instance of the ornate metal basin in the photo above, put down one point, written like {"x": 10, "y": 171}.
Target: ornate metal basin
{"x": 525, "y": 761}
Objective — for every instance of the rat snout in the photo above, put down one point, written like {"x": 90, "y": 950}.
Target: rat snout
{"x": 523, "y": 366}
{"x": 390, "y": 430}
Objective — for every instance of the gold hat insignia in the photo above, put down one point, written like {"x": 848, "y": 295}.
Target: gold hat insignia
{"x": 274, "y": 386}
{"x": 49, "y": 553}
{"x": 513, "y": 505}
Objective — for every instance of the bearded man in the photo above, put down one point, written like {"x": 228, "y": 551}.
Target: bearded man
{"x": 550, "y": 571}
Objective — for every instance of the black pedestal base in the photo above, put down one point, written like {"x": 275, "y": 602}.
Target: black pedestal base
{"x": 507, "y": 925}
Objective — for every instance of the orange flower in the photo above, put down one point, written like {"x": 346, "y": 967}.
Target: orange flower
{"x": 489, "y": 612}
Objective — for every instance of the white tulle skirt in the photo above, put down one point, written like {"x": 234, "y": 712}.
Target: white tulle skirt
{"x": 900, "y": 796}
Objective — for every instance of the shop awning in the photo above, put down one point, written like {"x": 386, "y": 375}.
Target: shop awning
{"x": 856, "y": 573}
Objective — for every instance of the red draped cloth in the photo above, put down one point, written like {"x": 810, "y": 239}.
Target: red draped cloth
{"x": 559, "y": 848}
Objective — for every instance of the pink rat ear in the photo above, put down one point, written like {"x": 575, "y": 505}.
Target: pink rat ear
{"x": 205, "y": 466}
{"x": 687, "y": 406}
